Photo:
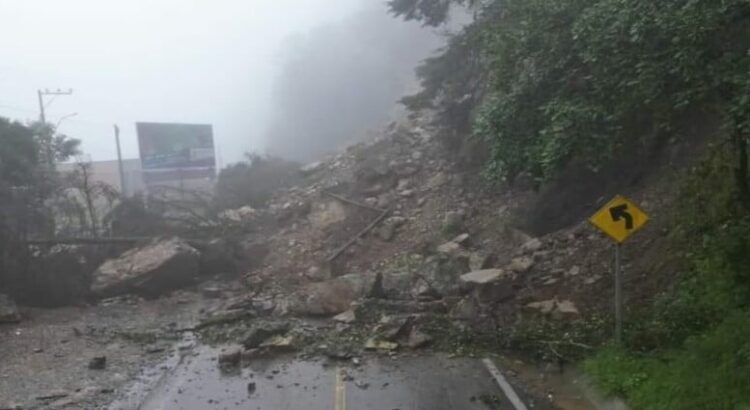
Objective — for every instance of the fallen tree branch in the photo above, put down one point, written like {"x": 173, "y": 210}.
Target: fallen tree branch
{"x": 351, "y": 202}
{"x": 86, "y": 241}
{"x": 564, "y": 342}
{"x": 361, "y": 233}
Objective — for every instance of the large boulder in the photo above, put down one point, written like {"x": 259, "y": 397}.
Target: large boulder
{"x": 149, "y": 270}
{"x": 334, "y": 296}
{"x": 8, "y": 310}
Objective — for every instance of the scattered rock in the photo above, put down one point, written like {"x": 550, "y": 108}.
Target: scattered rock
{"x": 521, "y": 264}
{"x": 573, "y": 271}
{"x": 450, "y": 248}
{"x": 231, "y": 358}
{"x": 346, "y": 317}
{"x": 311, "y": 168}
{"x": 482, "y": 277}
{"x": 333, "y": 296}
{"x": 251, "y": 388}
{"x": 532, "y": 246}
{"x": 466, "y": 309}
{"x": 418, "y": 339}
{"x": 98, "y": 363}
{"x": 461, "y": 239}
{"x": 8, "y": 310}
{"x": 261, "y": 332}
{"x": 555, "y": 308}
{"x": 280, "y": 343}
{"x": 150, "y": 270}
{"x": 375, "y": 344}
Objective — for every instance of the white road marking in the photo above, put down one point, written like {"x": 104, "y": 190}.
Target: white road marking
{"x": 504, "y": 385}
{"x": 340, "y": 391}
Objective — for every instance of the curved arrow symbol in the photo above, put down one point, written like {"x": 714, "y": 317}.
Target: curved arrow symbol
{"x": 621, "y": 212}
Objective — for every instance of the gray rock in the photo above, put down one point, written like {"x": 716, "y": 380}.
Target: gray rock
{"x": 332, "y": 296}
{"x": 150, "y": 270}
{"x": 482, "y": 277}
{"x": 346, "y": 317}
{"x": 262, "y": 332}
{"x": 450, "y": 248}
{"x": 521, "y": 264}
{"x": 532, "y": 245}
{"x": 418, "y": 339}
{"x": 466, "y": 309}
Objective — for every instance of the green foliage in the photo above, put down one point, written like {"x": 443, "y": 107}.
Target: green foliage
{"x": 18, "y": 153}
{"x": 693, "y": 346}
{"x": 711, "y": 372}
{"x": 575, "y": 80}
{"x": 429, "y": 12}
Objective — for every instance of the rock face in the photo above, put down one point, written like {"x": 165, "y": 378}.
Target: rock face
{"x": 8, "y": 310}
{"x": 333, "y": 296}
{"x": 150, "y": 270}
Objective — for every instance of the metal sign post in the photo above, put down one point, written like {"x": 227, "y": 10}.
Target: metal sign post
{"x": 618, "y": 296}
{"x": 619, "y": 219}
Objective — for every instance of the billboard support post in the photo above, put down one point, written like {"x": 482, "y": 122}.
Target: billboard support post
{"x": 123, "y": 189}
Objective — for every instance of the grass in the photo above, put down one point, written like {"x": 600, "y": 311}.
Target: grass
{"x": 711, "y": 371}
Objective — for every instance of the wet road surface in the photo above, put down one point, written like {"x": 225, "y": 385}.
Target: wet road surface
{"x": 379, "y": 383}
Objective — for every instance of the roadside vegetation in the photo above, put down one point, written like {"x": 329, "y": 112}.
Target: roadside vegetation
{"x": 546, "y": 85}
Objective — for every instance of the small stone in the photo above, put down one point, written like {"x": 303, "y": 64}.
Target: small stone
{"x": 98, "y": 363}
{"x": 362, "y": 385}
{"x": 532, "y": 246}
{"x": 375, "y": 344}
{"x": 346, "y": 317}
{"x": 482, "y": 277}
{"x": 418, "y": 339}
{"x": 449, "y": 248}
{"x": 232, "y": 358}
{"x": 251, "y": 387}
{"x": 461, "y": 239}
{"x": 574, "y": 271}
{"x": 521, "y": 265}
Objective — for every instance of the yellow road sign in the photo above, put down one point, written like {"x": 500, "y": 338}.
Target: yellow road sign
{"x": 620, "y": 218}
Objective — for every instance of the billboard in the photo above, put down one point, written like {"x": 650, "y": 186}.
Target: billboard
{"x": 173, "y": 152}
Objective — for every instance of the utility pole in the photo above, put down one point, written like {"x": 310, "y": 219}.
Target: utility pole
{"x": 40, "y": 95}
{"x": 123, "y": 190}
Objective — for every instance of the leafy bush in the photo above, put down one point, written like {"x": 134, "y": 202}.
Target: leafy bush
{"x": 253, "y": 182}
{"x": 711, "y": 372}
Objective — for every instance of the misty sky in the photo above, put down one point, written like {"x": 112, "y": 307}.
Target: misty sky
{"x": 195, "y": 61}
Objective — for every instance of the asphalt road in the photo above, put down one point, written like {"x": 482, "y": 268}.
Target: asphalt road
{"x": 379, "y": 383}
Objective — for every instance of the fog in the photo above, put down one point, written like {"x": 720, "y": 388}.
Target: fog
{"x": 294, "y": 77}
{"x": 342, "y": 80}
